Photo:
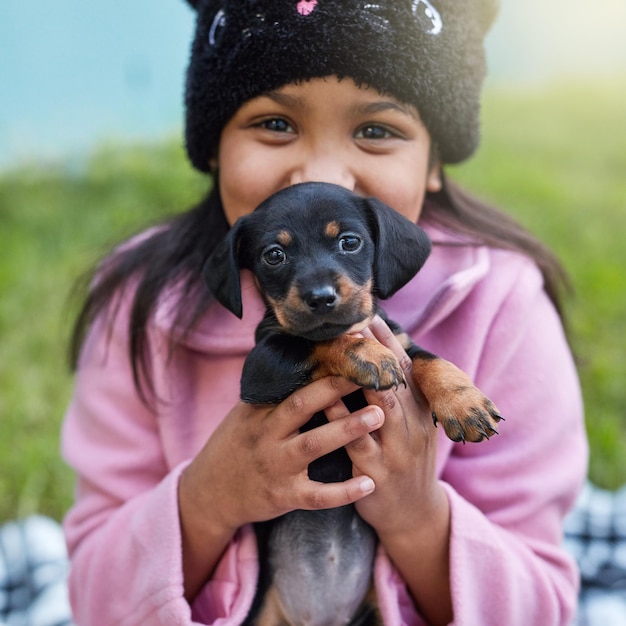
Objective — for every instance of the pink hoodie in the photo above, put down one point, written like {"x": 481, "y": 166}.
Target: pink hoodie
{"x": 483, "y": 309}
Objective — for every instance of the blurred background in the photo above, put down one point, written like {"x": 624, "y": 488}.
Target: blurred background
{"x": 91, "y": 150}
{"x": 75, "y": 73}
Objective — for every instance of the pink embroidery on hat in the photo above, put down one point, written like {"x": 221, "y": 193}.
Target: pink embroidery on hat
{"x": 306, "y": 7}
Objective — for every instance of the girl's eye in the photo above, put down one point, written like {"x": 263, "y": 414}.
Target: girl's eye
{"x": 374, "y": 131}
{"x": 276, "y": 125}
{"x": 274, "y": 255}
{"x": 350, "y": 243}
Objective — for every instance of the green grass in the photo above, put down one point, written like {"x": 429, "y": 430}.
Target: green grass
{"x": 554, "y": 157}
{"x": 53, "y": 226}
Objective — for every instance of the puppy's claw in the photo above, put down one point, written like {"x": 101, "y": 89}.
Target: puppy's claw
{"x": 493, "y": 411}
{"x": 461, "y": 425}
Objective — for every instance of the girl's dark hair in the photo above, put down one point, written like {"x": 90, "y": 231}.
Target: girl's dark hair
{"x": 479, "y": 223}
{"x": 174, "y": 254}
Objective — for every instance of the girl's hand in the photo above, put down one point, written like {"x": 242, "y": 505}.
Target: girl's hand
{"x": 400, "y": 456}
{"x": 409, "y": 509}
{"x": 254, "y": 468}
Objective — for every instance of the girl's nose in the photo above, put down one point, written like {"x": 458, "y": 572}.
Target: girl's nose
{"x": 323, "y": 168}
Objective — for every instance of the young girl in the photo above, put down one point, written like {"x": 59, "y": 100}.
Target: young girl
{"x": 173, "y": 469}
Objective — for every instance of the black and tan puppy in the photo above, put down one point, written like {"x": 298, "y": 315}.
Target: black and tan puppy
{"x": 322, "y": 257}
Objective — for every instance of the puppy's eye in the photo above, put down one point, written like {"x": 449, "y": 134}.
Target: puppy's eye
{"x": 274, "y": 255}
{"x": 350, "y": 243}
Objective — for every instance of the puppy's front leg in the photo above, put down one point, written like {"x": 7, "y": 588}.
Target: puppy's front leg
{"x": 461, "y": 408}
{"x": 278, "y": 365}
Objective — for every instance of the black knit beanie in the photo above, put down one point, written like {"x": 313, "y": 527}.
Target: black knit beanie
{"x": 428, "y": 53}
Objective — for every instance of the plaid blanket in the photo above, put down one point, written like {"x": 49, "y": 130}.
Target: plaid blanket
{"x": 595, "y": 534}
{"x": 33, "y": 574}
{"x": 34, "y": 566}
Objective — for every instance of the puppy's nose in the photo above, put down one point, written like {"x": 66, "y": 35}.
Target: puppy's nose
{"x": 321, "y": 300}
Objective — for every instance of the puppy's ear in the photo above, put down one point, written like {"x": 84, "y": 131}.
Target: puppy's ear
{"x": 402, "y": 247}
{"x": 221, "y": 271}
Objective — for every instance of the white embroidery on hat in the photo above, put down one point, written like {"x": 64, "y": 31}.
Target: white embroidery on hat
{"x": 376, "y": 11}
{"x": 429, "y": 11}
{"x": 218, "y": 23}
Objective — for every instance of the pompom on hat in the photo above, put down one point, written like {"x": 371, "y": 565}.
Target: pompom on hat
{"x": 427, "y": 53}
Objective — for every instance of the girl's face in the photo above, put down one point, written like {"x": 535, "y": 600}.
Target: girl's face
{"x": 326, "y": 130}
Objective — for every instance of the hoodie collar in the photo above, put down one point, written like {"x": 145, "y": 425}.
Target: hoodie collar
{"x": 449, "y": 275}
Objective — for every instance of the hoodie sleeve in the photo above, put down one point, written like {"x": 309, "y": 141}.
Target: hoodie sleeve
{"x": 123, "y": 531}
{"x": 509, "y": 495}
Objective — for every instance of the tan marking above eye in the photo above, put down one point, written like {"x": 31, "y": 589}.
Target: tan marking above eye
{"x": 284, "y": 238}
{"x": 333, "y": 229}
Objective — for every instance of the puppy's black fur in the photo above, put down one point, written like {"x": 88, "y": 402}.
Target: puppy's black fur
{"x": 322, "y": 257}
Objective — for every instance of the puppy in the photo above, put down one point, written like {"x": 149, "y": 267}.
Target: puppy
{"x": 322, "y": 257}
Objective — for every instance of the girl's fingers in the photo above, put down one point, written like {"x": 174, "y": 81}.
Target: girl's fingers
{"x": 366, "y": 443}
{"x": 300, "y": 406}
{"x": 315, "y": 495}
{"x": 336, "y": 411}
{"x": 408, "y": 404}
{"x": 381, "y": 332}
{"x": 338, "y": 433}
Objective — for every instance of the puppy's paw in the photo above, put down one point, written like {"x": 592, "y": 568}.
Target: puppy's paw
{"x": 462, "y": 409}
{"x": 373, "y": 366}
{"x": 468, "y": 419}
{"x": 363, "y": 361}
